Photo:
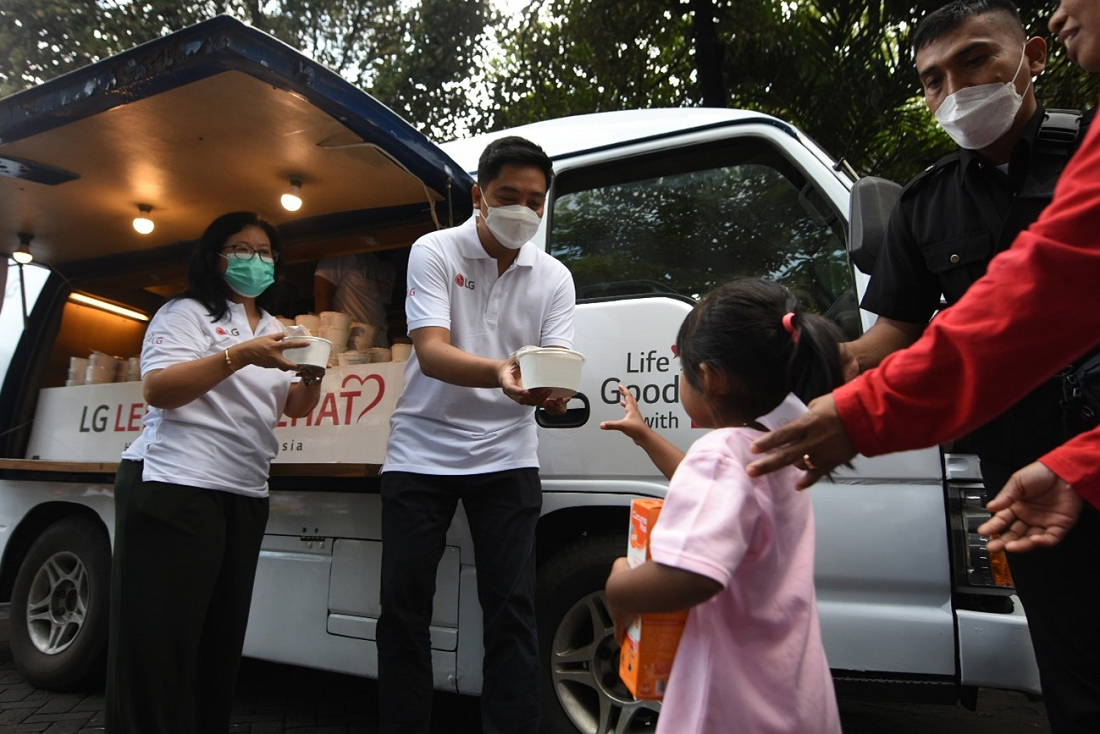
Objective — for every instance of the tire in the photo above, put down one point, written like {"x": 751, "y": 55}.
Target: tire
{"x": 60, "y": 604}
{"x": 580, "y": 686}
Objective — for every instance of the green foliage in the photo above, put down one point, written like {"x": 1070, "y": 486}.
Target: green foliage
{"x": 840, "y": 70}
{"x": 414, "y": 57}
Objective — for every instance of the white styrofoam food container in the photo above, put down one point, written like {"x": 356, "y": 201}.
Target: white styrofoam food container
{"x": 553, "y": 367}
{"x": 315, "y": 353}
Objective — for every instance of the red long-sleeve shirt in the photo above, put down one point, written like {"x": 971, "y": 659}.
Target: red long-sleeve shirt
{"x": 1035, "y": 311}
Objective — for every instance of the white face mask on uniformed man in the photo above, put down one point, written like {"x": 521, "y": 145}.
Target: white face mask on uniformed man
{"x": 512, "y": 225}
{"x": 976, "y": 117}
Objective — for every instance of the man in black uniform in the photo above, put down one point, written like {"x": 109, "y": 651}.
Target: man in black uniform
{"x": 976, "y": 65}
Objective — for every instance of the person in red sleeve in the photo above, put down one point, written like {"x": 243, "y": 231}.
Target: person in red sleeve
{"x": 1035, "y": 309}
{"x": 1032, "y": 314}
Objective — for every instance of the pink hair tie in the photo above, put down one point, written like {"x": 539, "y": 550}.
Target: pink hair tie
{"x": 788, "y": 324}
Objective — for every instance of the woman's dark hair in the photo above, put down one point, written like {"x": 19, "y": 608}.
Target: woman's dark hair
{"x": 205, "y": 283}
{"x": 738, "y": 330}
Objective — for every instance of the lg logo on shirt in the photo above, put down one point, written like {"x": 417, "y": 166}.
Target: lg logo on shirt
{"x": 222, "y": 332}
{"x": 461, "y": 282}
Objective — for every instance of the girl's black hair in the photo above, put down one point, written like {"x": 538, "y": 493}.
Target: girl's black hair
{"x": 206, "y": 284}
{"x": 738, "y": 330}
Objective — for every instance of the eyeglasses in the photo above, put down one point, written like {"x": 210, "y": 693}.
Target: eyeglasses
{"x": 244, "y": 252}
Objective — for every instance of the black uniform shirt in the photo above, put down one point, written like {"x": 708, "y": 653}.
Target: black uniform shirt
{"x": 949, "y": 223}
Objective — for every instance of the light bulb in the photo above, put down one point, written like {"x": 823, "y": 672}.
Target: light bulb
{"x": 142, "y": 223}
{"x": 22, "y": 254}
{"x": 292, "y": 199}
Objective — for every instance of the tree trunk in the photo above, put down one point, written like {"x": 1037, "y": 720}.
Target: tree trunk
{"x": 709, "y": 53}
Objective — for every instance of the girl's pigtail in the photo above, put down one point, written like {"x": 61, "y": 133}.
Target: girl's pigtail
{"x": 815, "y": 367}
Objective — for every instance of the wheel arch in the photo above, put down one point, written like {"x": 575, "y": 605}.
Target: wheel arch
{"x": 562, "y": 527}
{"x": 30, "y": 528}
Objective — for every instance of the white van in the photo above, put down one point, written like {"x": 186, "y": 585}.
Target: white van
{"x": 649, "y": 210}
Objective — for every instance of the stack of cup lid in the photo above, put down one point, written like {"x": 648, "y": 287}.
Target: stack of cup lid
{"x": 102, "y": 368}
{"x": 379, "y": 354}
{"x": 78, "y": 368}
{"x": 401, "y": 351}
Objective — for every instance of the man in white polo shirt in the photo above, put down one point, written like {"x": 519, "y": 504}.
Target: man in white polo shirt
{"x": 464, "y": 429}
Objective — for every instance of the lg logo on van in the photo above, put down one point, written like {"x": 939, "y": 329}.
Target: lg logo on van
{"x": 461, "y": 282}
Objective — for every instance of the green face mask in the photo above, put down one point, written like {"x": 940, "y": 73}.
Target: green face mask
{"x": 249, "y": 278}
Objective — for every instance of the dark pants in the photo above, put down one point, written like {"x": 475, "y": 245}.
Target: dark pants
{"x": 181, "y": 585}
{"x": 503, "y": 510}
{"x": 1060, "y": 591}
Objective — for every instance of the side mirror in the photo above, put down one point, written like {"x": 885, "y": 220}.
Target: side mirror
{"x": 573, "y": 418}
{"x": 872, "y": 201}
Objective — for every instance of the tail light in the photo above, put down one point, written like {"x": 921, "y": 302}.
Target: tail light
{"x": 975, "y": 569}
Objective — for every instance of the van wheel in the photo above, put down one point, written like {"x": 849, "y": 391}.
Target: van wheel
{"x": 59, "y": 605}
{"x": 581, "y": 690}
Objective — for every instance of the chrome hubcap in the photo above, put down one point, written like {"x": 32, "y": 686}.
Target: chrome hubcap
{"x": 57, "y": 603}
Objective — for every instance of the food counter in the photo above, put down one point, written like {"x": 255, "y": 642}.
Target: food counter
{"x": 350, "y": 425}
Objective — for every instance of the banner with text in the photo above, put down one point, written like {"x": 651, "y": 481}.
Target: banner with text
{"x": 350, "y": 424}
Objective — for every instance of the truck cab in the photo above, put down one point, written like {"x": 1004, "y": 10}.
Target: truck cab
{"x": 649, "y": 210}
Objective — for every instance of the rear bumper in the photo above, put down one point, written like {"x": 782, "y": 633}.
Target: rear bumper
{"x": 995, "y": 650}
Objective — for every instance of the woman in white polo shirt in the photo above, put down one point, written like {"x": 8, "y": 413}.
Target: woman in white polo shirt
{"x": 191, "y": 498}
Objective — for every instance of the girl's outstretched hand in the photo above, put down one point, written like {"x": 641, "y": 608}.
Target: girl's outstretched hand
{"x": 619, "y": 617}
{"x": 632, "y": 424}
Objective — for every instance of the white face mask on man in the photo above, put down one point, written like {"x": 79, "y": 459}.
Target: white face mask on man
{"x": 512, "y": 225}
{"x": 976, "y": 117}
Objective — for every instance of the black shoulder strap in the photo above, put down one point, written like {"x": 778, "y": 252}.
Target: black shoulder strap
{"x": 1057, "y": 140}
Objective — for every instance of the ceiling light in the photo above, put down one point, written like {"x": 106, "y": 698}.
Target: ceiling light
{"x": 22, "y": 254}
{"x": 292, "y": 199}
{"x": 108, "y": 306}
{"x": 142, "y": 223}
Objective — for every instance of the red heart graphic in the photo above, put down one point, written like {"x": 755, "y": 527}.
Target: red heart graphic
{"x": 674, "y": 352}
{"x": 362, "y": 380}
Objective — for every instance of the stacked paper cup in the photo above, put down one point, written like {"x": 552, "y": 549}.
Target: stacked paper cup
{"x": 401, "y": 351}
{"x": 362, "y": 336}
{"x": 78, "y": 368}
{"x": 310, "y": 321}
{"x": 102, "y": 368}
{"x": 133, "y": 369}
{"x": 334, "y": 327}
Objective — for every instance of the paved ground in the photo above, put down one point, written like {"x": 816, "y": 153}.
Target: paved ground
{"x": 283, "y": 699}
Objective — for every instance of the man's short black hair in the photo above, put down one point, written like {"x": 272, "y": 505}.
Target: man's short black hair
{"x": 941, "y": 22}
{"x": 512, "y": 149}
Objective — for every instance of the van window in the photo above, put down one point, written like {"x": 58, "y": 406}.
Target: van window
{"x": 681, "y": 222}
{"x": 11, "y": 311}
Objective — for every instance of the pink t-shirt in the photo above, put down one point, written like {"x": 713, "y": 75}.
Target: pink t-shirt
{"x": 751, "y": 657}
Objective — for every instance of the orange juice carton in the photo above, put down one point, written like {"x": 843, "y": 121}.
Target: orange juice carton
{"x": 645, "y": 659}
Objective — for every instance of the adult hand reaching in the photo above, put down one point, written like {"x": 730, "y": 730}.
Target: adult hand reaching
{"x": 1035, "y": 509}
{"x": 816, "y": 442}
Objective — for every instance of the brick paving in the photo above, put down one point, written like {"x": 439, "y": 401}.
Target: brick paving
{"x": 271, "y": 699}
{"x": 283, "y": 699}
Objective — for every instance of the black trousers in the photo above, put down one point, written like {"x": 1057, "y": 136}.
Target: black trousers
{"x": 503, "y": 510}
{"x": 181, "y": 585}
{"x": 1060, "y": 591}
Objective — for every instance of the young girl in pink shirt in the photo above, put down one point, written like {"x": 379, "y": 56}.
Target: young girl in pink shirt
{"x": 737, "y": 551}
